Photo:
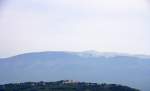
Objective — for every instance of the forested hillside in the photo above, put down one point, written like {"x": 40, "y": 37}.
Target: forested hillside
{"x": 64, "y": 85}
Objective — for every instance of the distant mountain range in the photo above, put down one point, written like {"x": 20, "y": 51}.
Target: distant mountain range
{"x": 92, "y": 66}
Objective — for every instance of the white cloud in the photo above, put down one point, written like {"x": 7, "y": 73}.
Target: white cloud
{"x": 112, "y": 5}
{"x": 103, "y": 25}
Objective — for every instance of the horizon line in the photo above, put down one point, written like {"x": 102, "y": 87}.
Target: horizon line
{"x": 83, "y": 51}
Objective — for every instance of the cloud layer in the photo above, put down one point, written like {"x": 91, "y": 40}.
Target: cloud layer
{"x": 74, "y": 25}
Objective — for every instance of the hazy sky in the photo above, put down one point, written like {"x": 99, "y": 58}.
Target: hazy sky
{"x": 74, "y": 25}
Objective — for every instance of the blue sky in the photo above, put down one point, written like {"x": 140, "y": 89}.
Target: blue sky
{"x": 74, "y": 25}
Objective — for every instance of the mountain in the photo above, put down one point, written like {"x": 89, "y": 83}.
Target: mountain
{"x": 130, "y": 70}
{"x": 63, "y": 85}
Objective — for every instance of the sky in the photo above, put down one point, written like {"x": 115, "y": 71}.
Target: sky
{"x": 74, "y": 25}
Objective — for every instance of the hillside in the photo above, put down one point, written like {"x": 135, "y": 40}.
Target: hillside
{"x": 63, "y": 85}
{"x": 128, "y": 70}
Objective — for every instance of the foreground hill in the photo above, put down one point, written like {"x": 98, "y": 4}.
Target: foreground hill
{"x": 128, "y": 70}
{"x": 64, "y": 85}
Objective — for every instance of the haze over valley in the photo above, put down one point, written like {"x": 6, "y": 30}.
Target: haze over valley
{"x": 88, "y": 66}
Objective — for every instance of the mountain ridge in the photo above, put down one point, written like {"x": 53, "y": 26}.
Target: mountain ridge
{"x": 49, "y": 66}
{"x": 88, "y": 53}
